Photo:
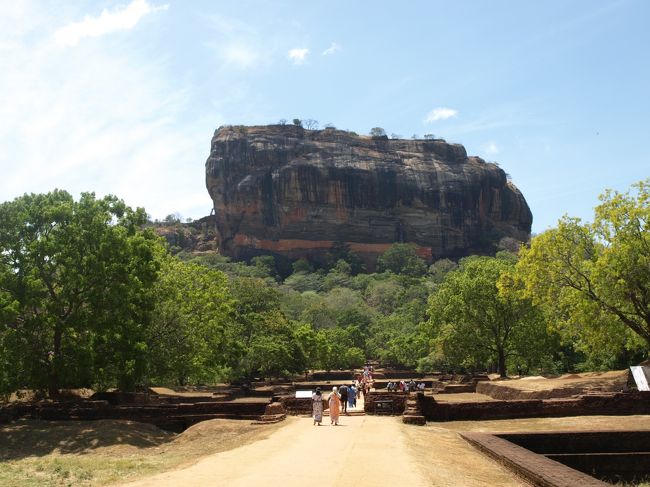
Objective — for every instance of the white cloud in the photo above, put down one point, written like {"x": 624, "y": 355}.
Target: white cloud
{"x": 499, "y": 117}
{"x": 440, "y": 113}
{"x": 238, "y": 44}
{"x": 298, "y": 55}
{"x": 334, "y": 47}
{"x": 490, "y": 148}
{"x": 125, "y": 18}
{"x": 238, "y": 54}
{"x": 96, "y": 119}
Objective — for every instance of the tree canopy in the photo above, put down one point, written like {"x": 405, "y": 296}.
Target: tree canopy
{"x": 91, "y": 297}
{"x": 402, "y": 258}
{"x": 475, "y": 323}
{"x": 76, "y": 281}
{"x": 188, "y": 340}
{"x": 594, "y": 278}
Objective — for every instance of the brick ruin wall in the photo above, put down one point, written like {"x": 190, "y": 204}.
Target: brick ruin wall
{"x": 395, "y": 403}
{"x": 300, "y": 406}
{"x": 615, "y": 404}
{"x": 172, "y": 416}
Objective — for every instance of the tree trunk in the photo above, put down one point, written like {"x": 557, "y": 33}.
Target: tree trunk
{"x": 55, "y": 360}
{"x": 502, "y": 363}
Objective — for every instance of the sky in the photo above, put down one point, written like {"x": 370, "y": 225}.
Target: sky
{"x": 122, "y": 97}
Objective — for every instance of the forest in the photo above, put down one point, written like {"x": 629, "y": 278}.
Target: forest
{"x": 91, "y": 296}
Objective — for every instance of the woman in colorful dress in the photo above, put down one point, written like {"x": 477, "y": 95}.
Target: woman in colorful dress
{"x": 317, "y": 406}
{"x": 335, "y": 406}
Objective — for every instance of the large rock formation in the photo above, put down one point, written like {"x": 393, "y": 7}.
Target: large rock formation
{"x": 286, "y": 190}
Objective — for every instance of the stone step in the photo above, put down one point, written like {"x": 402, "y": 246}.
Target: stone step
{"x": 270, "y": 418}
{"x": 414, "y": 419}
{"x": 349, "y": 413}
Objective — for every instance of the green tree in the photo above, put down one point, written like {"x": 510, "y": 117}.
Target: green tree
{"x": 187, "y": 340}
{"x": 397, "y": 340}
{"x": 338, "y": 276}
{"x": 336, "y": 349}
{"x": 270, "y": 356}
{"x": 9, "y": 341}
{"x": 306, "y": 339}
{"x": 77, "y": 279}
{"x": 440, "y": 268}
{"x": 302, "y": 265}
{"x": 320, "y": 315}
{"x": 293, "y": 304}
{"x": 474, "y": 323}
{"x": 595, "y": 278}
{"x": 264, "y": 340}
{"x": 402, "y": 258}
{"x": 266, "y": 265}
{"x": 384, "y": 295}
{"x": 354, "y": 358}
{"x": 305, "y": 281}
{"x": 340, "y": 251}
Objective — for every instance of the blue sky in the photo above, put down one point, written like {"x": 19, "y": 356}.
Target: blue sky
{"x": 123, "y": 96}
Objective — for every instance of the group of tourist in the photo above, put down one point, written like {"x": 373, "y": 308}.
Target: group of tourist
{"x": 334, "y": 401}
{"x": 402, "y": 386}
{"x": 344, "y": 397}
{"x": 367, "y": 372}
{"x": 339, "y": 400}
{"x": 363, "y": 384}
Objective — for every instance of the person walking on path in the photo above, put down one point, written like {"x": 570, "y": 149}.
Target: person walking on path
{"x": 317, "y": 406}
{"x": 343, "y": 393}
{"x": 352, "y": 396}
{"x": 335, "y": 406}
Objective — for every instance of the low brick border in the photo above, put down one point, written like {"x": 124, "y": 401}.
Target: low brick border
{"x": 612, "y": 404}
{"x": 300, "y": 406}
{"x": 533, "y": 468}
{"x": 170, "y": 416}
{"x": 397, "y": 399}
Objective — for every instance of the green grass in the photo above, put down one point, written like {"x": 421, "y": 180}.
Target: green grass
{"x": 74, "y": 470}
{"x": 93, "y": 453}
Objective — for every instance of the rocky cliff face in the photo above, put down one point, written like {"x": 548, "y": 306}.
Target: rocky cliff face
{"x": 286, "y": 190}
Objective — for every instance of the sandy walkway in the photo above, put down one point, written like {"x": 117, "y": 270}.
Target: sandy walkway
{"x": 362, "y": 448}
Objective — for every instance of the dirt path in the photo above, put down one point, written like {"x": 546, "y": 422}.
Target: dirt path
{"x": 375, "y": 450}
{"x": 372, "y": 449}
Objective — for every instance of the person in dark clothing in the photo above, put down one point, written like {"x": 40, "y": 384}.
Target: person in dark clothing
{"x": 343, "y": 392}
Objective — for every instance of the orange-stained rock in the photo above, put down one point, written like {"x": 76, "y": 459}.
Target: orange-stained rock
{"x": 286, "y": 190}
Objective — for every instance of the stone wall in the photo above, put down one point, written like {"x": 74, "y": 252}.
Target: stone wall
{"x": 390, "y": 403}
{"x": 170, "y": 416}
{"x": 333, "y": 376}
{"x": 297, "y": 406}
{"x": 325, "y": 386}
{"x": 457, "y": 388}
{"x": 615, "y": 404}
{"x": 533, "y": 469}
